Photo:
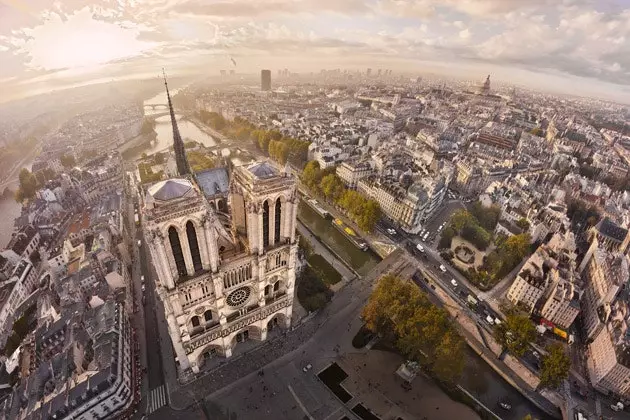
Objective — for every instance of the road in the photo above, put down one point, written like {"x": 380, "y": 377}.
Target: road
{"x": 153, "y": 391}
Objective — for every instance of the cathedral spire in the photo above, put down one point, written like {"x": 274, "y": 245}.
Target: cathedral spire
{"x": 178, "y": 144}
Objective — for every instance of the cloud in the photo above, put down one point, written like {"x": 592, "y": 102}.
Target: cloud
{"x": 585, "y": 38}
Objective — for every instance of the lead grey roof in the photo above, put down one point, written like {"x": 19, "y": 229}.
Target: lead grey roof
{"x": 609, "y": 228}
{"x": 214, "y": 181}
{"x": 262, "y": 170}
{"x": 170, "y": 189}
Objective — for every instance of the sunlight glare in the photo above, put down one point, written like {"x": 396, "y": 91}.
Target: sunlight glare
{"x": 80, "y": 41}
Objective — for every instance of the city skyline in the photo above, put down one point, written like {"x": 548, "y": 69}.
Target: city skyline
{"x": 573, "y": 46}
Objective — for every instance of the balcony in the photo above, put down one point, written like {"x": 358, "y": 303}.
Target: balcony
{"x": 195, "y": 331}
{"x": 275, "y": 296}
{"x": 236, "y": 323}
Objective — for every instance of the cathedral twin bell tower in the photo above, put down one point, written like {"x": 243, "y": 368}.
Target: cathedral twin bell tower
{"x": 224, "y": 249}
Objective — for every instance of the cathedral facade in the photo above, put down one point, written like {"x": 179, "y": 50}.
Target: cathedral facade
{"x": 223, "y": 278}
{"x": 225, "y": 273}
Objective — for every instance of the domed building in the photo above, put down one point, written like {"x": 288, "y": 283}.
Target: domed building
{"x": 484, "y": 89}
{"x": 224, "y": 277}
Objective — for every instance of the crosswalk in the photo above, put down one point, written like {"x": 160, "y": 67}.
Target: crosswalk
{"x": 156, "y": 399}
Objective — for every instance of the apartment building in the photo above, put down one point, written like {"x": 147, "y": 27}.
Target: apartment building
{"x": 352, "y": 172}
{"x": 604, "y": 274}
{"x": 608, "y": 360}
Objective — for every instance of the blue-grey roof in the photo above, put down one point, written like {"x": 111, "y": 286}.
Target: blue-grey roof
{"x": 213, "y": 181}
{"x": 608, "y": 228}
{"x": 262, "y": 170}
{"x": 170, "y": 189}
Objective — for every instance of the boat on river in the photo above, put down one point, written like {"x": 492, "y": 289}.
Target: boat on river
{"x": 350, "y": 234}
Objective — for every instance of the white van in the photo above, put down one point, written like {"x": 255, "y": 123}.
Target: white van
{"x": 420, "y": 248}
{"x": 442, "y": 269}
{"x": 490, "y": 320}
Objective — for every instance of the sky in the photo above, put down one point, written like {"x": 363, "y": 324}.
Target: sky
{"x": 571, "y": 46}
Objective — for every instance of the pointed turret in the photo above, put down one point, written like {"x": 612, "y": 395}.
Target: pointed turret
{"x": 180, "y": 153}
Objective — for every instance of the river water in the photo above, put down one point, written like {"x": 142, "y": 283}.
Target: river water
{"x": 361, "y": 261}
{"x": 10, "y": 209}
{"x": 164, "y": 130}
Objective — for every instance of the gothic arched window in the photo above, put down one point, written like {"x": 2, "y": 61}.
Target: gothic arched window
{"x": 176, "y": 248}
{"x": 194, "y": 246}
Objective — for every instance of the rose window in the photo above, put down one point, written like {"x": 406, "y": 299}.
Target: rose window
{"x": 239, "y": 296}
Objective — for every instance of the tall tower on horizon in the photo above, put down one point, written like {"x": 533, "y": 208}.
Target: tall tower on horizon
{"x": 180, "y": 153}
{"x": 265, "y": 80}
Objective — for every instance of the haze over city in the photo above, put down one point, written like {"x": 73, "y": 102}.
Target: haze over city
{"x": 314, "y": 210}
{"x": 569, "y": 46}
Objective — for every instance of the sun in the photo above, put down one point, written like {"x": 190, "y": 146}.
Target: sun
{"x": 79, "y": 40}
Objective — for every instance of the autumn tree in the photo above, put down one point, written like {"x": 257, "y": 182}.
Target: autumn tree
{"x": 332, "y": 187}
{"x": 515, "y": 333}
{"x": 311, "y": 175}
{"x": 554, "y": 367}
{"x": 399, "y": 312}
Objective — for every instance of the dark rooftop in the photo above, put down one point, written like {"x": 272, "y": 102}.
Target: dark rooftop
{"x": 213, "y": 181}
{"x": 609, "y": 229}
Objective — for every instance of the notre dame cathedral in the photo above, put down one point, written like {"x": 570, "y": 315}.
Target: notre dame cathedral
{"x": 224, "y": 248}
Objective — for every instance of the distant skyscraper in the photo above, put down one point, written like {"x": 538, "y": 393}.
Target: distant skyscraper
{"x": 232, "y": 72}
{"x": 378, "y": 73}
{"x": 279, "y": 72}
{"x": 178, "y": 144}
{"x": 369, "y": 72}
{"x": 222, "y": 73}
{"x": 265, "y": 80}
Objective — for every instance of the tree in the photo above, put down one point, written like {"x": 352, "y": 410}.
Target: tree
{"x": 369, "y": 215}
{"x": 399, "y": 312}
{"x": 554, "y": 367}
{"x": 488, "y": 217}
{"x": 447, "y": 237}
{"x": 523, "y": 223}
{"x": 536, "y": 131}
{"x": 332, "y": 187}
{"x": 515, "y": 334}
{"x": 312, "y": 292}
{"x": 311, "y": 175}
{"x": 67, "y": 161}
{"x": 460, "y": 219}
{"x": 28, "y": 185}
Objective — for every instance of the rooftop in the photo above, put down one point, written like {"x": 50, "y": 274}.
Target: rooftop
{"x": 214, "y": 181}
{"x": 262, "y": 170}
{"x": 609, "y": 229}
{"x": 170, "y": 189}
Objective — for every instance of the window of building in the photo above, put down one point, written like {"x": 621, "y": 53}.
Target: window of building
{"x": 194, "y": 321}
{"x": 207, "y": 316}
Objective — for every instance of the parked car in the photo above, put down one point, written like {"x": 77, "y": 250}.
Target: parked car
{"x": 139, "y": 242}
{"x": 391, "y": 231}
{"x": 617, "y": 407}
{"x": 505, "y": 405}
{"x": 420, "y": 248}
{"x": 142, "y": 279}
{"x": 307, "y": 368}
{"x": 454, "y": 282}
{"x": 442, "y": 268}
{"x": 489, "y": 320}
